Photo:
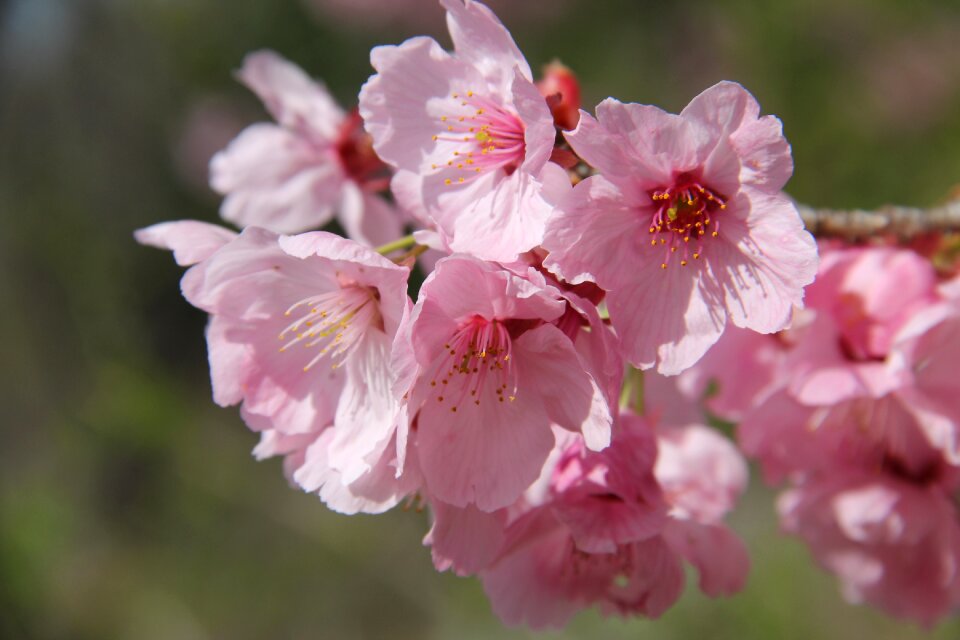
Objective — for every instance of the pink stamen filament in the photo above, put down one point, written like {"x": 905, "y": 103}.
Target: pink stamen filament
{"x": 686, "y": 211}
{"x": 334, "y": 323}
{"x": 479, "y": 356}
{"x": 487, "y": 137}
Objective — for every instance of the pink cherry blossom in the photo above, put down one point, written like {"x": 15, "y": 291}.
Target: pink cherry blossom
{"x": 300, "y": 333}
{"x": 875, "y": 353}
{"x": 469, "y": 134}
{"x": 892, "y": 543}
{"x": 605, "y": 532}
{"x": 873, "y": 474}
{"x": 543, "y": 579}
{"x": 611, "y": 497}
{"x": 686, "y": 227}
{"x": 861, "y": 299}
{"x": 486, "y": 373}
{"x": 315, "y": 162}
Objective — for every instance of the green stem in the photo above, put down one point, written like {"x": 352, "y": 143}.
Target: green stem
{"x": 403, "y": 243}
{"x": 631, "y": 396}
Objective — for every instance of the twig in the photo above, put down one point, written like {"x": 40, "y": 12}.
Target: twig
{"x": 904, "y": 223}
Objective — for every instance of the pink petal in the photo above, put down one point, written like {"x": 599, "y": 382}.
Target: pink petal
{"x": 481, "y": 40}
{"x": 229, "y": 362}
{"x": 549, "y": 366}
{"x": 507, "y": 217}
{"x": 367, "y": 410}
{"x": 539, "y": 132}
{"x": 396, "y": 102}
{"x": 275, "y": 180}
{"x": 613, "y": 156}
{"x": 665, "y": 318}
{"x": 375, "y": 492}
{"x": 763, "y": 263}
{"x": 654, "y": 138}
{"x": 592, "y": 223}
{"x": 464, "y": 539}
{"x": 367, "y": 217}
{"x": 294, "y": 99}
{"x": 719, "y": 555}
{"x": 190, "y": 240}
{"x": 488, "y": 455}
{"x": 766, "y": 159}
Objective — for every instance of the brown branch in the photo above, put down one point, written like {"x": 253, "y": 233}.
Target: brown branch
{"x": 904, "y": 223}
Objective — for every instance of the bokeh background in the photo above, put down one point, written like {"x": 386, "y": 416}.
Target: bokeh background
{"x": 130, "y": 506}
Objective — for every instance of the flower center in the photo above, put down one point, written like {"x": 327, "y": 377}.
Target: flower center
{"x": 687, "y": 210}
{"x": 477, "y": 365}
{"x": 332, "y": 323}
{"x": 355, "y": 151}
{"x": 481, "y": 136}
{"x": 613, "y": 568}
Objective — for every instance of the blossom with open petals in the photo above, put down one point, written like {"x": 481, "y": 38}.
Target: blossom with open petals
{"x": 300, "y": 333}
{"x": 469, "y": 133}
{"x": 613, "y": 528}
{"x": 316, "y": 162}
{"x": 487, "y": 373}
{"x": 685, "y": 227}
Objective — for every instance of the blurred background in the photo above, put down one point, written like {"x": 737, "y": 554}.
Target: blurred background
{"x": 130, "y": 506}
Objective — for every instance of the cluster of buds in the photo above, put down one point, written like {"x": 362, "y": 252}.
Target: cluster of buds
{"x": 507, "y": 397}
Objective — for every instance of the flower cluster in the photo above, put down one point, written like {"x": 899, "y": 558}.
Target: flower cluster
{"x": 570, "y": 252}
{"x": 854, "y": 407}
{"x": 859, "y": 415}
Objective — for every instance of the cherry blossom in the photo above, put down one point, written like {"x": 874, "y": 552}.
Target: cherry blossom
{"x": 613, "y": 528}
{"x": 315, "y": 162}
{"x": 487, "y": 374}
{"x": 469, "y": 134}
{"x": 300, "y": 333}
{"x": 685, "y": 227}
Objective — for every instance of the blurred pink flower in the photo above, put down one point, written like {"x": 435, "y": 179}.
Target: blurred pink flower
{"x": 866, "y": 428}
{"x": 861, "y": 298}
{"x": 892, "y": 543}
{"x": 686, "y": 227}
{"x": 613, "y": 528}
{"x": 469, "y": 134}
{"x": 315, "y": 163}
